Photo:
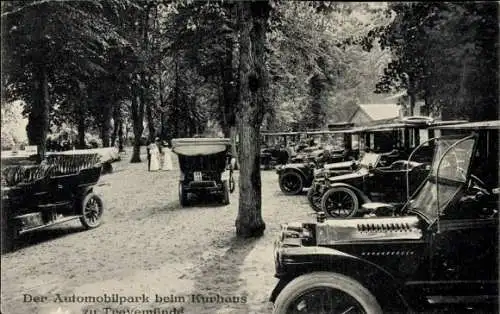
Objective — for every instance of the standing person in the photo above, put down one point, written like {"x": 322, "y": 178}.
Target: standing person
{"x": 167, "y": 158}
{"x": 154, "y": 152}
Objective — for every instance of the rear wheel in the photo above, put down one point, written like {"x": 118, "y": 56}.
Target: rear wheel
{"x": 232, "y": 184}
{"x": 92, "y": 210}
{"x": 340, "y": 202}
{"x": 325, "y": 292}
{"x": 183, "y": 197}
{"x": 225, "y": 193}
{"x": 291, "y": 183}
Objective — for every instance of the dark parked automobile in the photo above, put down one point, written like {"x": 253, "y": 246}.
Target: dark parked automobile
{"x": 439, "y": 252}
{"x": 299, "y": 174}
{"x": 205, "y": 168}
{"x": 59, "y": 190}
{"x": 341, "y": 196}
{"x": 270, "y": 157}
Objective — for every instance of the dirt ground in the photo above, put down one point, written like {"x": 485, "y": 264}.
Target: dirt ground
{"x": 162, "y": 258}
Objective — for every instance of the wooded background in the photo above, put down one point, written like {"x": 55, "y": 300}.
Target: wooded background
{"x": 102, "y": 66}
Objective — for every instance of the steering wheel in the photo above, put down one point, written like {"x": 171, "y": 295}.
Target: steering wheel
{"x": 477, "y": 184}
{"x": 480, "y": 200}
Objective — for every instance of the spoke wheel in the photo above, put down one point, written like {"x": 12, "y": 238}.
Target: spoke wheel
{"x": 92, "y": 210}
{"x": 291, "y": 183}
{"x": 324, "y": 292}
{"x": 340, "y": 202}
{"x": 314, "y": 198}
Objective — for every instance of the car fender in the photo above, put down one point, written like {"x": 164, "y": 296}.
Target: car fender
{"x": 298, "y": 168}
{"x": 359, "y": 193}
{"x": 84, "y": 191}
{"x": 303, "y": 260}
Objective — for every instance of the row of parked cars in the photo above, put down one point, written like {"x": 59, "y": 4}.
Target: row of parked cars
{"x": 414, "y": 234}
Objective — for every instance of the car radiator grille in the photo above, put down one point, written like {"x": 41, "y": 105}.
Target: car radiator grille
{"x": 202, "y": 184}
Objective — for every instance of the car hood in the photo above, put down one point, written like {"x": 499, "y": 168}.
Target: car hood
{"x": 339, "y": 165}
{"x": 353, "y": 175}
{"x": 300, "y": 166}
{"x": 336, "y": 231}
{"x": 294, "y": 165}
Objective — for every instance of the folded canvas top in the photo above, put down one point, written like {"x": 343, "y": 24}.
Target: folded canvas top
{"x": 199, "y": 146}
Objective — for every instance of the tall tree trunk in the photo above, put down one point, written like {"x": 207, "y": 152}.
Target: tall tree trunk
{"x": 116, "y": 123}
{"x": 120, "y": 137}
{"x": 252, "y": 103}
{"x": 228, "y": 88}
{"x": 38, "y": 120}
{"x": 151, "y": 125}
{"x": 162, "y": 105}
{"x": 81, "y": 127}
{"x": 106, "y": 125}
{"x": 137, "y": 110}
{"x": 81, "y": 112}
{"x": 317, "y": 112}
{"x": 411, "y": 95}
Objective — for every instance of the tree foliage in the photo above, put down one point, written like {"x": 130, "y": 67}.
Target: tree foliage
{"x": 317, "y": 70}
{"x": 445, "y": 54}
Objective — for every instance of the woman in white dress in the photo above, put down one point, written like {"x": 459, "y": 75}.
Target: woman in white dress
{"x": 155, "y": 157}
{"x": 167, "y": 158}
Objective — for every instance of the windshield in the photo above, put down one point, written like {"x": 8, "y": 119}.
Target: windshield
{"x": 455, "y": 163}
{"x": 453, "y": 159}
{"x": 370, "y": 159}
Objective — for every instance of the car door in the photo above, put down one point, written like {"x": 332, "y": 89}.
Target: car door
{"x": 464, "y": 266}
{"x": 387, "y": 185}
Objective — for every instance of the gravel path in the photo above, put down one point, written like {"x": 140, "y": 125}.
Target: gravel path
{"x": 188, "y": 257}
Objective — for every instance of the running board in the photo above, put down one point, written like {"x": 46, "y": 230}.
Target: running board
{"x": 55, "y": 222}
{"x": 461, "y": 299}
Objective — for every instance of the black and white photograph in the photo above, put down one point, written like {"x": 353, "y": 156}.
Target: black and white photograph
{"x": 249, "y": 157}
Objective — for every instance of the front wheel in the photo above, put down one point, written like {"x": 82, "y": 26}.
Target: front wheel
{"x": 291, "y": 183}
{"x": 92, "y": 210}
{"x": 314, "y": 198}
{"x": 340, "y": 202}
{"x": 325, "y": 292}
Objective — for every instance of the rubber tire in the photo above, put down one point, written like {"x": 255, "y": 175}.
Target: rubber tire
{"x": 232, "y": 185}
{"x": 225, "y": 193}
{"x": 311, "y": 203}
{"x": 326, "y": 279}
{"x": 107, "y": 167}
{"x": 295, "y": 174}
{"x": 340, "y": 189}
{"x": 84, "y": 202}
{"x": 8, "y": 238}
{"x": 183, "y": 198}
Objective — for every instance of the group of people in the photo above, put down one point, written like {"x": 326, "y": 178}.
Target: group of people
{"x": 159, "y": 157}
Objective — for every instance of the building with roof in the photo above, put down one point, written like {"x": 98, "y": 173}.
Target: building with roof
{"x": 367, "y": 114}
{"x": 419, "y": 109}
